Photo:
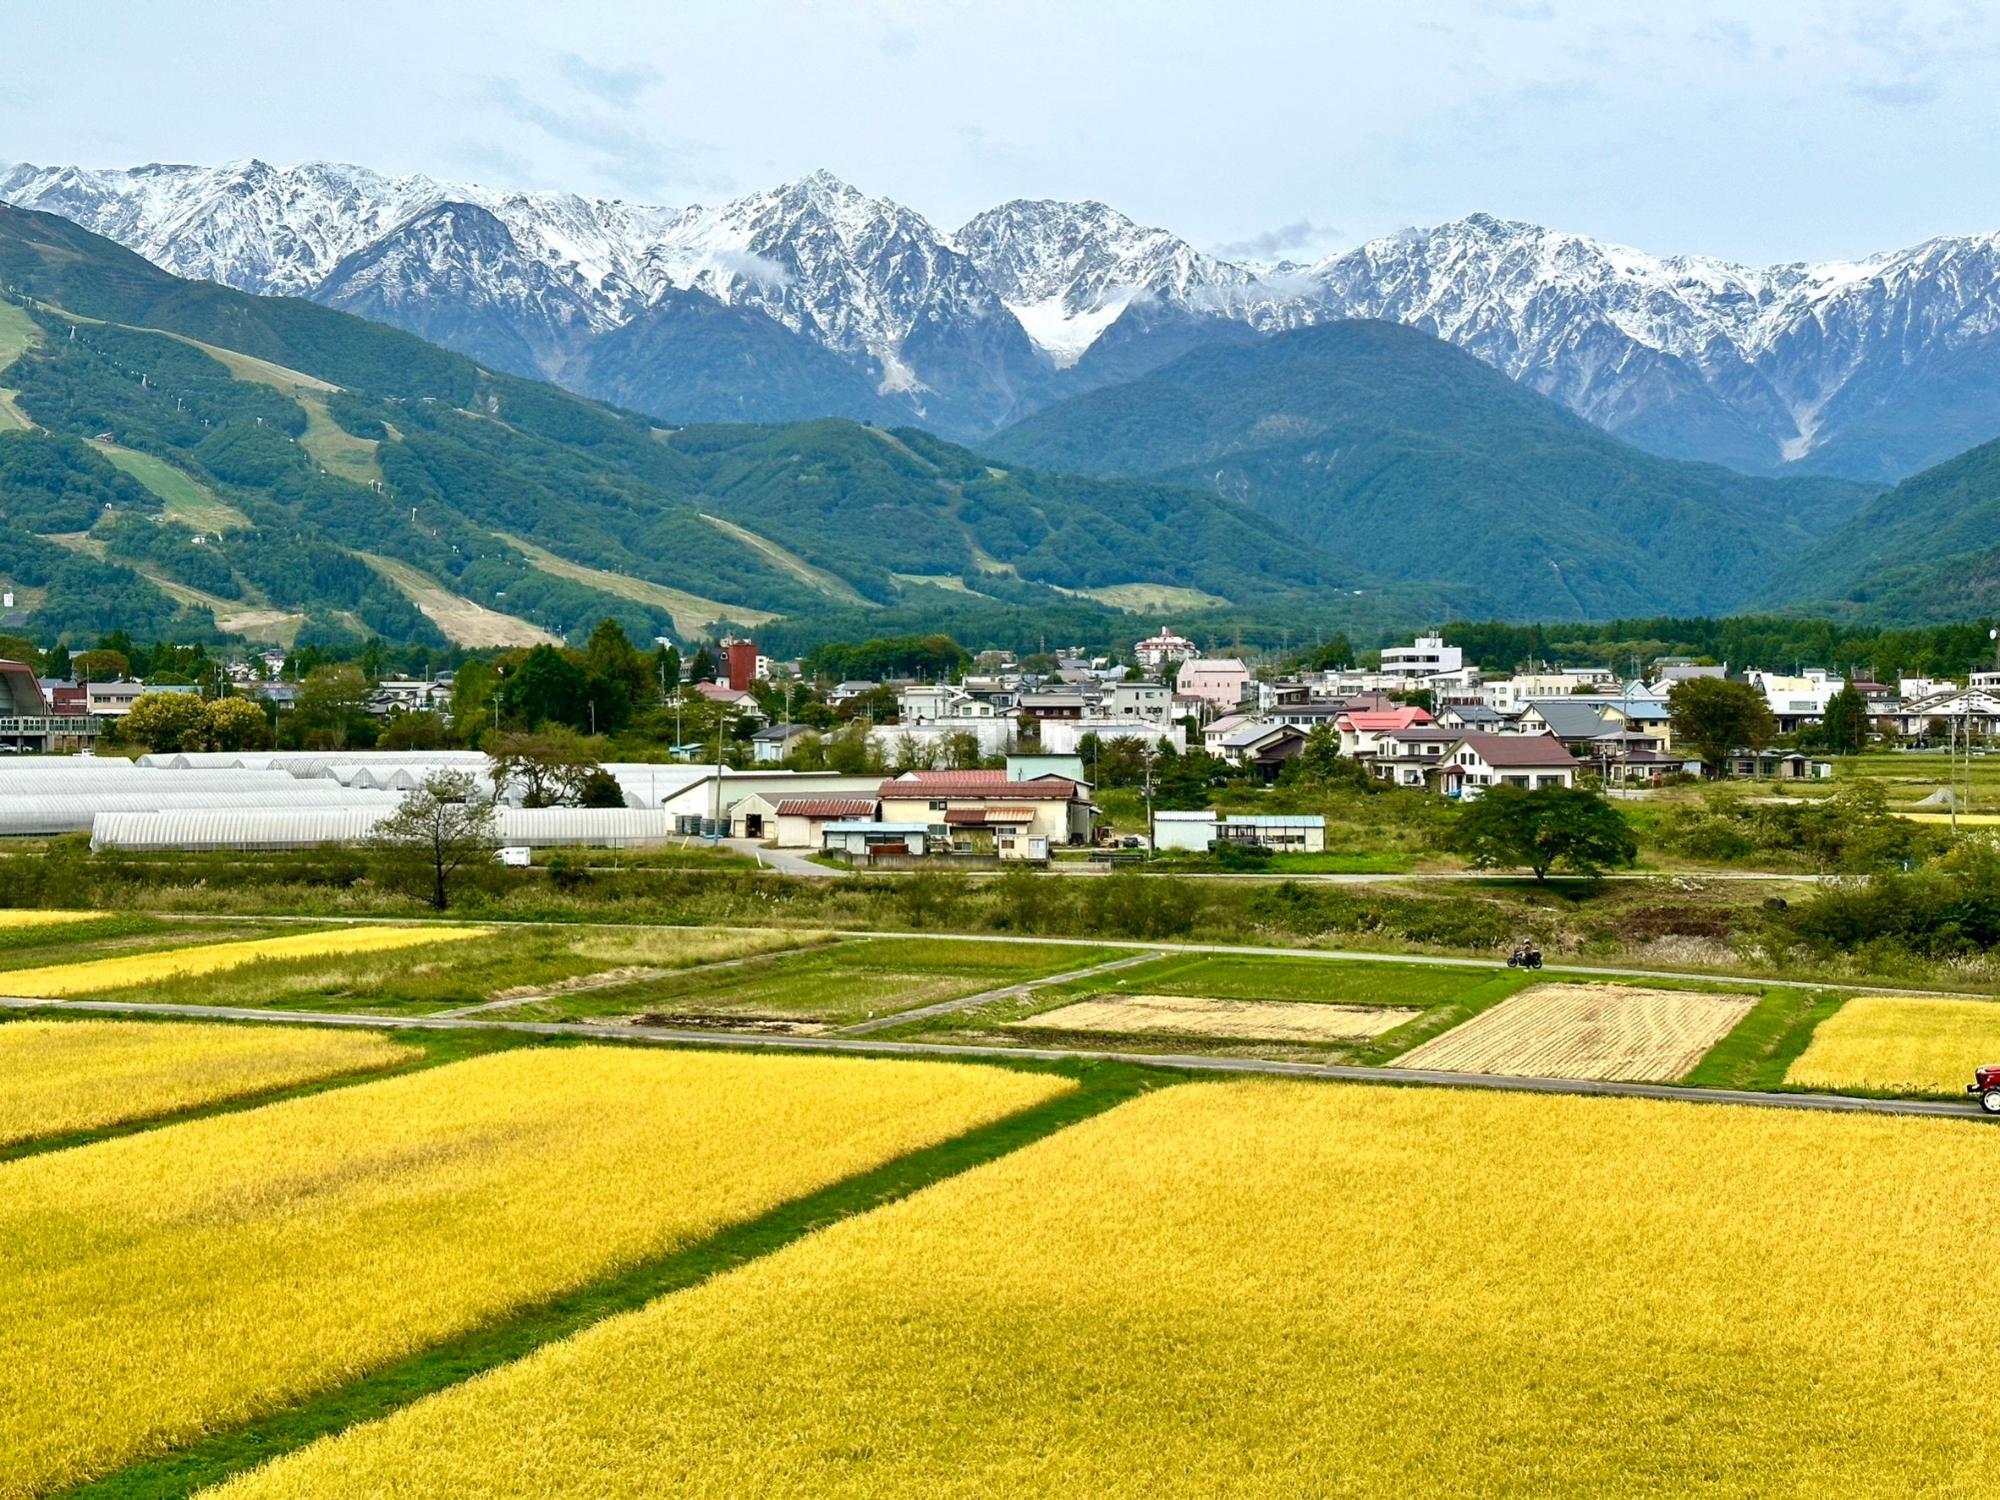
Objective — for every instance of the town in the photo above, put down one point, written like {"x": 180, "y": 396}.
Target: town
{"x": 939, "y": 755}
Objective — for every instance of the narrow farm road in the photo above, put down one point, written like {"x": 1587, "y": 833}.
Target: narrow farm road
{"x": 1832, "y": 1103}
{"x": 1005, "y": 992}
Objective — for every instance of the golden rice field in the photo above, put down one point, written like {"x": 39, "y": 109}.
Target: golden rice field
{"x": 165, "y": 1284}
{"x": 1900, "y": 1045}
{"x": 60, "y": 1076}
{"x": 1288, "y": 1289}
{"x": 1586, "y": 1031}
{"x": 29, "y": 917}
{"x": 97, "y": 974}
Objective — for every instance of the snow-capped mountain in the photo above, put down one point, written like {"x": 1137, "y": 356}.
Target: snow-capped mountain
{"x": 1872, "y": 368}
{"x": 1756, "y": 367}
{"x": 1068, "y": 271}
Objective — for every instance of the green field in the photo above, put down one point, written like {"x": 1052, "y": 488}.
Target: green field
{"x": 186, "y": 501}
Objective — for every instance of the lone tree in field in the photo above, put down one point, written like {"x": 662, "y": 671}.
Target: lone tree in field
{"x": 1543, "y": 828}
{"x": 1713, "y": 716}
{"x": 437, "y": 831}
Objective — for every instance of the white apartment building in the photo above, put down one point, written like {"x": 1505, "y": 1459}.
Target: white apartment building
{"x": 1509, "y": 695}
{"x": 1427, "y": 656}
{"x": 1156, "y": 652}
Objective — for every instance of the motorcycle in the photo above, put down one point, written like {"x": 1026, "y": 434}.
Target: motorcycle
{"x": 1525, "y": 958}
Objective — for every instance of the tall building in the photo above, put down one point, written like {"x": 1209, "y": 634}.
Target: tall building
{"x": 740, "y": 664}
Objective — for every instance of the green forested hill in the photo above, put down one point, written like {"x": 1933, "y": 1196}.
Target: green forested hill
{"x": 387, "y": 486}
{"x": 1379, "y": 442}
{"x": 1927, "y": 551}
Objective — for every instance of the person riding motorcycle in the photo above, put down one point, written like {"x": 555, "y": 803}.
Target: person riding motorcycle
{"x": 1527, "y": 955}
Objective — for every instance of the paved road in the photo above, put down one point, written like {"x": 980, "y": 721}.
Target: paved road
{"x": 1008, "y": 991}
{"x": 1833, "y": 1103}
{"x": 785, "y": 861}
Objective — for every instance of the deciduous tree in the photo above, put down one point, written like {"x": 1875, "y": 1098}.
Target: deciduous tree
{"x": 1543, "y": 828}
{"x": 439, "y": 829}
{"x": 1713, "y": 716}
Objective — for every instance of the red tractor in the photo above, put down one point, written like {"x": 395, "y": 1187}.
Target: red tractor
{"x": 1986, "y": 1084}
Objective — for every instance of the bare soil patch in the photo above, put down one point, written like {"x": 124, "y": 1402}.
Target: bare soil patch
{"x": 1605, "y": 1031}
{"x": 1247, "y": 1020}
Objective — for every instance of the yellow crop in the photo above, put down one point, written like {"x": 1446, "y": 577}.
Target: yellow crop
{"x": 28, "y": 917}
{"x": 57, "y": 1076}
{"x": 1901, "y": 1045}
{"x": 173, "y": 963}
{"x": 161, "y": 1285}
{"x": 1289, "y": 1289}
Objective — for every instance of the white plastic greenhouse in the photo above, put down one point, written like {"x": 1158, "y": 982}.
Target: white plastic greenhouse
{"x": 72, "y": 811}
{"x": 236, "y": 828}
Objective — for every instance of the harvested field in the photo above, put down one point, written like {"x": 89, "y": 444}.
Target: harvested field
{"x": 1287, "y": 1289}
{"x": 1903, "y": 1045}
{"x": 35, "y": 917}
{"x": 1586, "y": 1031}
{"x": 1248, "y": 1020}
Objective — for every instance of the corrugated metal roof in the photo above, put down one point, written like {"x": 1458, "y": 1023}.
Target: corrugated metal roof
{"x": 825, "y": 807}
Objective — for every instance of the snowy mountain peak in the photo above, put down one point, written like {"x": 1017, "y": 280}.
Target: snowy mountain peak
{"x": 1694, "y": 356}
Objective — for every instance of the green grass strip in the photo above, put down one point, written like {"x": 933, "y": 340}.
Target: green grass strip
{"x": 439, "y": 1048}
{"x": 1761, "y": 1048}
{"x": 213, "y": 1459}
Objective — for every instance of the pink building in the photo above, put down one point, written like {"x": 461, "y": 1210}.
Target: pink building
{"x": 1218, "y": 681}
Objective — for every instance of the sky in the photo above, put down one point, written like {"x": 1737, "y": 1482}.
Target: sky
{"x": 1760, "y": 130}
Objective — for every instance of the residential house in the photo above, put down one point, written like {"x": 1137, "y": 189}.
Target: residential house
{"x": 771, "y": 744}
{"x": 1057, "y": 810}
{"x": 737, "y": 700}
{"x": 1218, "y": 682}
{"x": 407, "y": 696}
{"x": 1028, "y": 767}
{"x": 1216, "y": 730}
{"x": 1475, "y": 762}
{"x": 1796, "y": 700}
{"x": 1056, "y": 704}
{"x": 1361, "y": 730}
{"x": 1271, "y": 696}
{"x": 1776, "y": 765}
{"x": 1909, "y": 688}
{"x": 1473, "y": 716}
{"x": 842, "y": 692}
{"x": 1152, "y": 701}
{"x": 1261, "y": 747}
{"x": 923, "y": 701}
{"x": 1407, "y": 757}
{"x": 1509, "y": 695}
{"x": 114, "y": 700}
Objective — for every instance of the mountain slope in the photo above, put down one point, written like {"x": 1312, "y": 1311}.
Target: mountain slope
{"x": 510, "y": 495}
{"x": 1871, "y": 368}
{"x": 1381, "y": 444}
{"x": 1926, "y": 552}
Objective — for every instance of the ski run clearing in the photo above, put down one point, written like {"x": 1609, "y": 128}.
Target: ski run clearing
{"x": 1586, "y": 1031}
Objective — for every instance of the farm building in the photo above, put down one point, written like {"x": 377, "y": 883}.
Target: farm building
{"x": 798, "y": 822}
{"x": 858, "y": 838}
{"x": 1198, "y": 832}
{"x": 1058, "y": 809}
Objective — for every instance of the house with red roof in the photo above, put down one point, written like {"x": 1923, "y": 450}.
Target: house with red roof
{"x": 985, "y": 811}
{"x": 1361, "y": 730}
